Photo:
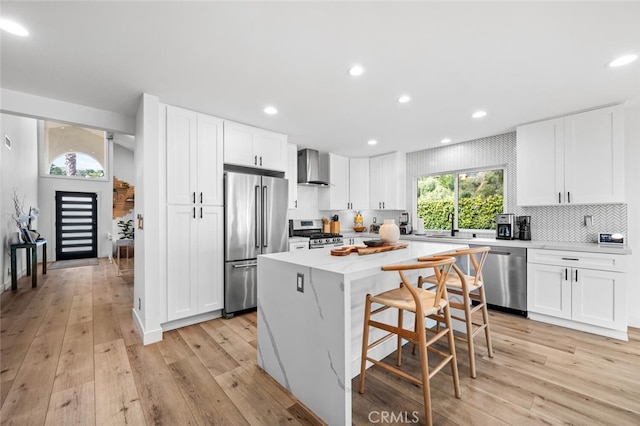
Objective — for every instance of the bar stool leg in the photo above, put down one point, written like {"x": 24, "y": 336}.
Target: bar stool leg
{"x": 426, "y": 387}
{"x": 485, "y": 319}
{"x": 365, "y": 341}
{"x": 469, "y": 325}
{"x": 399, "y": 348}
{"x": 452, "y": 350}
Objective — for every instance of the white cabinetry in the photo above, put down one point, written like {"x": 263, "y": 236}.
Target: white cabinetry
{"x": 194, "y": 265}
{"x": 292, "y": 174}
{"x": 336, "y": 196}
{"x": 194, "y": 158}
{"x": 387, "y": 182}
{"x": 579, "y": 290}
{"x": 359, "y": 183}
{"x": 252, "y": 147}
{"x": 349, "y": 183}
{"x": 194, "y": 213}
{"x": 299, "y": 246}
{"x": 577, "y": 159}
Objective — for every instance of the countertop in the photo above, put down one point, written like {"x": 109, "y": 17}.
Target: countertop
{"x": 535, "y": 244}
{"x": 355, "y": 264}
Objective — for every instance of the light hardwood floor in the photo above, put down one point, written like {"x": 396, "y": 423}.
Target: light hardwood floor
{"x": 70, "y": 354}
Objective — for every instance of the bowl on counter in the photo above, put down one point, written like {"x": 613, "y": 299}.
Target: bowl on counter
{"x": 359, "y": 228}
{"x": 373, "y": 243}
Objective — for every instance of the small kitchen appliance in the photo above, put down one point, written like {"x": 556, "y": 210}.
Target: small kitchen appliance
{"x": 524, "y": 227}
{"x": 405, "y": 226}
{"x": 312, "y": 229}
{"x": 611, "y": 239}
{"x": 505, "y": 226}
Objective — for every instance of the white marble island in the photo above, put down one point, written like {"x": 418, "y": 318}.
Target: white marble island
{"x": 310, "y": 340}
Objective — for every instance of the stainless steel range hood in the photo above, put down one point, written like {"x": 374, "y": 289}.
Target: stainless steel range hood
{"x": 309, "y": 169}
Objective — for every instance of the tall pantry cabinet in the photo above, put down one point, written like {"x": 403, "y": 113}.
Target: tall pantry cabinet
{"x": 194, "y": 213}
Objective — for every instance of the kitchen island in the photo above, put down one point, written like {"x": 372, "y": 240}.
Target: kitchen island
{"x": 310, "y": 316}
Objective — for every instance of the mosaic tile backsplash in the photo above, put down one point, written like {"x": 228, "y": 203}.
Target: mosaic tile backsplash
{"x": 551, "y": 223}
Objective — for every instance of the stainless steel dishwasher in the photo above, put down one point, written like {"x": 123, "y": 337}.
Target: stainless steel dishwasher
{"x": 505, "y": 278}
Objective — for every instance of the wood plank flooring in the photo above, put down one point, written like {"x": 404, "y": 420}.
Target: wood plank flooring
{"x": 71, "y": 354}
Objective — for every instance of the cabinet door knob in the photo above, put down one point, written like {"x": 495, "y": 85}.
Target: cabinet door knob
{"x": 261, "y": 160}
{"x": 559, "y": 197}
{"x": 566, "y": 276}
{"x": 255, "y": 160}
{"x": 200, "y": 212}
{"x": 201, "y": 198}
{"x": 296, "y": 203}
{"x": 194, "y": 212}
{"x": 568, "y": 197}
{"x": 576, "y": 275}
{"x": 194, "y": 197}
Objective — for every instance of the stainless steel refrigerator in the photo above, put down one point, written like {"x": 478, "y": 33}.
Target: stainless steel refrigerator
{"x": 255, "y": 220}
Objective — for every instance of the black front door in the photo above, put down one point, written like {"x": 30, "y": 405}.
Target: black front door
{"x": 76, "y": 225}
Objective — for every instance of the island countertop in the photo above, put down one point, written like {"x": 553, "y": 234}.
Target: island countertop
{"x": 360, "y": 265}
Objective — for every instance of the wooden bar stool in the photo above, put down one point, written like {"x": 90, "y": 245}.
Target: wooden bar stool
{"x": 424, "y": 303}
{"x": 470, "y": 287}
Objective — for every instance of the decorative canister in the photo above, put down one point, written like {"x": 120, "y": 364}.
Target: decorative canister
{"x": 389, "y": 232}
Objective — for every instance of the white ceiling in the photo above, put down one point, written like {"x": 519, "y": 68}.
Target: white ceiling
{"x": 519, "y": 61}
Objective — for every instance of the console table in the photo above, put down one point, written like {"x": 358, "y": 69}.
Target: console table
{"x": 32, "y": 261}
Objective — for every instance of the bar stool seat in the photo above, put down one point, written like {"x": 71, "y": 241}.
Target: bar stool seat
{"x": 425, "y": 304}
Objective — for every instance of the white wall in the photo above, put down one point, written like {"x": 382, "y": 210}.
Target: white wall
{"x": 149, "y": 291}
{"x": 632, "y": 171}
{"x": 19, "y": 171}
{"x": 47, "y": 200}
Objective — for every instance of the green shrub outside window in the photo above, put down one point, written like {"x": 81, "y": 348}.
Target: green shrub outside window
{"x": 474, "y": 197}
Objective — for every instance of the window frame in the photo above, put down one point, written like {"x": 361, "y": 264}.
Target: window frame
{"x": 456, "y": 174}
{"x": 45, "y": 165}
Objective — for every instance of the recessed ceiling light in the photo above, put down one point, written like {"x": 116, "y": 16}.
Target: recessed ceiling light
{"x": 270, "y": 110}
{"x": 479, "y": 114}
{"x": 404, "y": 99}
{"x": 13, "y": 28}
{"x": 356, "y": 70}
{"x": 372, "y": 142}
{"x": 622, "y": 60}
{"x": 445, "y": 140}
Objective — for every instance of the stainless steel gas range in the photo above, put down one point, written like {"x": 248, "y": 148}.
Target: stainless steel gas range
{"x": 313, "y": 230}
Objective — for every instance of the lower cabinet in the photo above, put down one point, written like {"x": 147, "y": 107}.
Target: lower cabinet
{"x": 194, "y": 260}
{"x": 583, "y": 288}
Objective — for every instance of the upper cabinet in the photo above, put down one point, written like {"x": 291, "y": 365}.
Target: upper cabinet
{"x": 577, "y": 159}
{"x": 292, "y": 174}
{"x": 336, "y": 196}
{"x": 194, "y": 158}
{"x": 388, "y": 183}
{"x": 359, "y": 183}
{"x": 349, "y": 183}
{"x": 252, "y": 147}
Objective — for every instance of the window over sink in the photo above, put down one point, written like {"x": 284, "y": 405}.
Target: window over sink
{"x": 474, "y": 197}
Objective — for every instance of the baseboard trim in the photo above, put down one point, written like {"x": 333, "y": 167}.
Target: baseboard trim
{"x": 148, "y": 337}
{"x": 594, "y": 329}
{"x": 184, "y": 322}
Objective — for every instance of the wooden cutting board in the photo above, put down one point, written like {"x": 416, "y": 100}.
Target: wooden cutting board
{"x": 346, "y": 250}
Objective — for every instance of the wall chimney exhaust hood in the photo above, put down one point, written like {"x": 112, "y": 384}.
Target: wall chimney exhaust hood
{"x": 309, "y": 169}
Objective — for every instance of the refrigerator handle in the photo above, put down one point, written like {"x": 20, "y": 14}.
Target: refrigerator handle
{"x": 256, "y": 213}
{"x": 265, "y": 219}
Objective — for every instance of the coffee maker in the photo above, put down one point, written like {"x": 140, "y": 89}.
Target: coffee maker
{"x": 405, "y": 226}
{"x": 524, "y": 227}
{"x": 505, "y": 226}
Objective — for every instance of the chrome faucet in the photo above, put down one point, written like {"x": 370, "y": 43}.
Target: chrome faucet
{"x": 452, "y": 217}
